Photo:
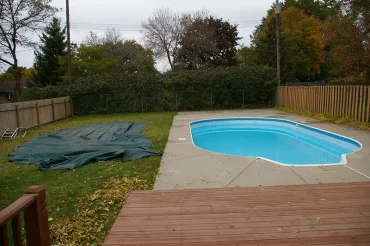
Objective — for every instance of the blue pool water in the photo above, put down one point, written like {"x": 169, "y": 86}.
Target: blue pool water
{"x": 280, "y": 141}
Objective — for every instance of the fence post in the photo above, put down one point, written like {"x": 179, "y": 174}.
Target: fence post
{"x": 176, "y": 101}
{"x": 142, "y": 102}
{"x": 107, "y": 103}
{"x": 38, "y": 113}
{"x": 211, "y": 99}
{"x": 65, "y": 108}
{"x": 243, "y": 99}
{"x": 71, "y": 102}
{"x": 36, "y": 218}
{"x": 53, "y": 109}
{"x": 17, "y": 115}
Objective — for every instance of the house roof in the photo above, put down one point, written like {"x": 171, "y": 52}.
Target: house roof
{"x": 9, "y": 86}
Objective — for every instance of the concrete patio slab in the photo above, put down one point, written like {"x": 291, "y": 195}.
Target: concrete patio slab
{"x": 218, "y": 171}
{"x": 186, "y": 166}
{"x": 263, "y": 173}
{"x": 328, "y": 174}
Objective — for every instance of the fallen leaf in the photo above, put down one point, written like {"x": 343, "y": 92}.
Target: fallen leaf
{"x": 316, "y": 219}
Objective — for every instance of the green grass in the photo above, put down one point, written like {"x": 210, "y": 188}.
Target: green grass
{"x": 327, "y": 118}
{"x": 66, "y": 189}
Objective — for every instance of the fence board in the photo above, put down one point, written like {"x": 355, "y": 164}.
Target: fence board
{"x": 326, "y": 96}
{"x": 345, "y": 100}
{"x": 341, "y": 101}
{"x": 335, "y": 100}
{"x": 328, "y": 109}
{"x": 368, "y": 106}
{"x": 356, "y": 101}
{"x": 361, "y": 110}
{"x": 29, "y": 115}
{"x": 322, "y": 96}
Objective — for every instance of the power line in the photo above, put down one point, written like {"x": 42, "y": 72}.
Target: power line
{"x": 27, "y": 50}
{"x": 132, "y": 28}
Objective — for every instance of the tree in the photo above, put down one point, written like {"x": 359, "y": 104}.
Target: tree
{"x": 246, "y": 56}
{"x": 162, "y": 33}
{"x": 26, "y": 74}
{"x": 92, "y": 39}
{"x": 349, "y": 49}
{"x": 321, "y": 9}
{"x": 131, "y": 56}
{"x": 359, "y": 11}
{"x": 18, "y": 18}
{"x": 208, "y": 42}
{"x": 87, "y": 61}
{"x": 53, "y": 45}
{"x": 301, "y": 45}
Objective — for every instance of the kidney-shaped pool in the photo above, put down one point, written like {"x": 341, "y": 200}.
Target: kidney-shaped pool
{"x": 280, "y": 141}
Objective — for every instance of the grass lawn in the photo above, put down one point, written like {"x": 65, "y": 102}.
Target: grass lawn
{"x": 89, "y": 196}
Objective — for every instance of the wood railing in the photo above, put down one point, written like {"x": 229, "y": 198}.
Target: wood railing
{"x": 36, "y": 226}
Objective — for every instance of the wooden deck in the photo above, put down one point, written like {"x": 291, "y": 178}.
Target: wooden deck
{"x": 324, "y": 214}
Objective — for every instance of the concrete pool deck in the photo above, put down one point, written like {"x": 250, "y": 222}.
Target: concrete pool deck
{"x": 185, "y": 166}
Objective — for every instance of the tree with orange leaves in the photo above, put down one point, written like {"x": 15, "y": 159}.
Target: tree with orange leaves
{"x": 301, "y": 45}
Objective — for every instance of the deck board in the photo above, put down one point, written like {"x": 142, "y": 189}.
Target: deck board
{"x": 320, "y": 214}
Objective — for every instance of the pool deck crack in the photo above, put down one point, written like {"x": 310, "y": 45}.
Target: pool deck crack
{"x": 241, "y": 173}
{"x": 357, "y": 171}
{"x": 187, "y": 157}
{"x": 298, "y": 175}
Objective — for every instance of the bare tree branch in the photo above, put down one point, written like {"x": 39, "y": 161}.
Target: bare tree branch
{"x": 19, "y": 18}
{"x": 162, "y": 33}
{"x": 5, "y": 61}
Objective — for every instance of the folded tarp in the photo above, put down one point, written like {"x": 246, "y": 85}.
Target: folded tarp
{"x": 71, "y": 148}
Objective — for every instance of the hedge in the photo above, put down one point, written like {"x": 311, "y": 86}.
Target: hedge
{"x": 222, "y": 88}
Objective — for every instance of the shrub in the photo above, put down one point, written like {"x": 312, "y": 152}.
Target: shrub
{"x": 220, "y": 88}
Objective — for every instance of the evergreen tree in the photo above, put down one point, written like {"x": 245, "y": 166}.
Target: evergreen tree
{"x": 53, "y": 46}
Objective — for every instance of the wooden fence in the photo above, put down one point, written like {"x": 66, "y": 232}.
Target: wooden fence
{"x": 341, "y": 101}
{"x": 34, "y": 113}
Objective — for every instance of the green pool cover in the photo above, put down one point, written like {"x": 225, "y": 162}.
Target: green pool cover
{"x": 71, "y": 148}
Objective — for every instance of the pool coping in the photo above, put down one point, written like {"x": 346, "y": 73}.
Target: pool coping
{"x": 343, "y": 161}
{"x": 185, "y": 166}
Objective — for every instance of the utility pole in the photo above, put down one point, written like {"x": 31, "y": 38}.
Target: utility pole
{"x": 277, "y": 12}
{"x": 69, "y": 44}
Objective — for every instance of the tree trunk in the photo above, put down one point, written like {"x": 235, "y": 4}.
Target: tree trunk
{"x": 169, "y": 60}
{"x": 17, "y": 78}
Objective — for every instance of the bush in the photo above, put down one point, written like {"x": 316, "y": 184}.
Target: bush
{"x": 221, "y": 88}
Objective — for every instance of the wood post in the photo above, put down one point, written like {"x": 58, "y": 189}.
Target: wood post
{"x": 176, "y": 102}
{"x": 16, "y": 228}
{"x": 279, "y": 89}
{"x": 38, "y": 113}
{"x": 368, "y": 105}
{"x": 53, "y": 109}
{"x": 65, "y": 108}
{"x": 17, "y": 115}
{"x": 356, "y": 102}
{"x": 71, "y": 102}
{"x": 4, "y": 240}
{"x": 36, "y": 218}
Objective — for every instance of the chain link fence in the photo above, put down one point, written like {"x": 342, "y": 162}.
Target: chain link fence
{"x": 158, "y": 101}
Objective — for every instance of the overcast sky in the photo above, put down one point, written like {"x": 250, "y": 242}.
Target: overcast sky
{"x": 90, "y": 15}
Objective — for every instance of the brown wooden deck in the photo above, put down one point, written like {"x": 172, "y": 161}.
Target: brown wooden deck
{"x": 324, "y": 214}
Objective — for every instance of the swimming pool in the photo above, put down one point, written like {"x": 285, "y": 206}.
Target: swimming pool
{"x": 280, "y": 141}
